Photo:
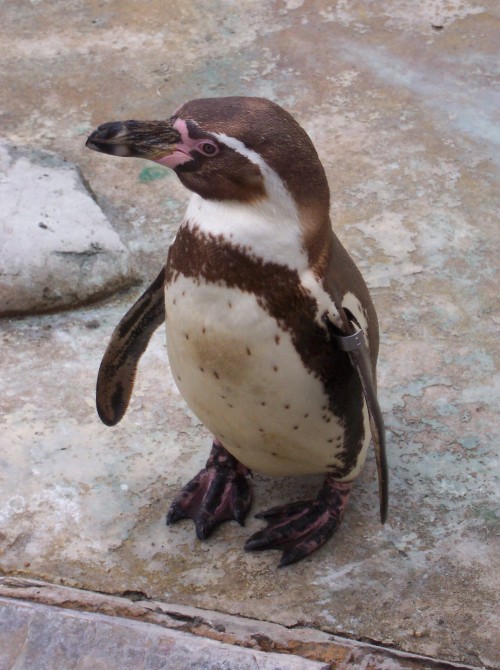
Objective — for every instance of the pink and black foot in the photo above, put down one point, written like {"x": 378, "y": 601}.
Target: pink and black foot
{"x": 301, "y": 527}
{"x": 220, "y": 492}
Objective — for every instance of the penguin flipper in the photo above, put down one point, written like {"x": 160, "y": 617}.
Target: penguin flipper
{"x": 130, "y": 338}
{"x": 355, "y": 345}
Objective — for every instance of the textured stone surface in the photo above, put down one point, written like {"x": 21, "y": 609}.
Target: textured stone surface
{"x": 36, "y": 636}
{"x": 405, "y": 118}
{"x": 246, "y": 632}
{"x": 57, "y": 249}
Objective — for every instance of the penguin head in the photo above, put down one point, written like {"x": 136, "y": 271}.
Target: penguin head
{"x": 225, "y": 149}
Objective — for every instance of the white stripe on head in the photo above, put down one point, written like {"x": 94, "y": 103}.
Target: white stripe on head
{"x": 278, "y": 194}
{"x": 269, "y": 228}
{"x": 277, "y": 191}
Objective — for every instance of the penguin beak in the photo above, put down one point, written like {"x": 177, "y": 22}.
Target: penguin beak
{"x": 155, "y": 140}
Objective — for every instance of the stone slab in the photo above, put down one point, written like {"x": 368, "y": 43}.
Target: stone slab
{"x": 85, "y": 505}
{"x": 34, "y": 636}
{"x": 57, "y": 248}
{"x": 307, "y": 643}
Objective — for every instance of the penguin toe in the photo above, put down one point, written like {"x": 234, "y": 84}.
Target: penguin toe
{"x": 299, "y": 528}
{"x": 220, "y": 492}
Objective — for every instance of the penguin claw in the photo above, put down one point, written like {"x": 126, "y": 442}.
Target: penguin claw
{"x": 220, "y": 492}
{"x": 300, "y": 528}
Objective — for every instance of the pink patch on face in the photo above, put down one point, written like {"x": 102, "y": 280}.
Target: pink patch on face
{"x": 183, "y": 148}
{"x": 172, "y": 160}
{"x": 187, "y": 144}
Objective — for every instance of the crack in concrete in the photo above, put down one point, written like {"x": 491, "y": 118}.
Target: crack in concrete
{"x": 310, "y": 643}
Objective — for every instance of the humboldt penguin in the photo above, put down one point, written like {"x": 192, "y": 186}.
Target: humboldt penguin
{"x": 272, "y": 336}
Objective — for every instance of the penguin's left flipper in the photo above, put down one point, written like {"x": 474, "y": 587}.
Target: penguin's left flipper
{"x": 130, "y": 338}
{"x": 300, "y": 528}
{"x": 220, "y": 492}
{"x": 355, "y": 345}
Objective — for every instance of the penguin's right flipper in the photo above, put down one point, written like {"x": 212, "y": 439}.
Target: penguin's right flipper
{"x": 130, "y": 338}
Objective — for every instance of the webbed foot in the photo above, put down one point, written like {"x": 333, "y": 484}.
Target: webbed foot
{"x": 301, "y": 527}
{"x": 219, "y": 492}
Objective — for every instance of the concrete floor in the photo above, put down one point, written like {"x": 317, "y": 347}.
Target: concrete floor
{"x": 402, "y": 105}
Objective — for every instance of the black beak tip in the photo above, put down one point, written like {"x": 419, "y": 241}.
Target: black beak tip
{"x": 103, "y": 135}
{"x": 90, "y": 142}
{"x": 108, "y": 131}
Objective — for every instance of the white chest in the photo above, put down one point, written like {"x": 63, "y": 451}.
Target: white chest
{"x": 269, "y": 229}
{"x": 240, "y": 373}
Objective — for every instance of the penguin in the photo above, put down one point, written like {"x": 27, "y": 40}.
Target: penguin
{"x": 272, "y": 336}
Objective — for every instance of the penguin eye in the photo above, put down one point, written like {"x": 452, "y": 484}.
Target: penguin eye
{"x": 207, "y": 148}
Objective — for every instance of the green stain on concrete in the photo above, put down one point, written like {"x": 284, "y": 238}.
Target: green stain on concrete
{"x": 82, "y": 129}
{"x": 171, "y": 204}
{"x": 488, "y": 514}
{"x": 469, "y": 442}
{"x": 152, "y": 173}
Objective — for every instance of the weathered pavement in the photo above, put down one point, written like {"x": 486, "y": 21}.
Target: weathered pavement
{"x": 402, "y": 105}
{"x": 50, "y": 626}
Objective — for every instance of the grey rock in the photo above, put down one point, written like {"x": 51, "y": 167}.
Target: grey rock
{"x": 57, "y": 248}
{"x": 39, "y": 637}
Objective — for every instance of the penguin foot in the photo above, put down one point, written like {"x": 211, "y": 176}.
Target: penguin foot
{"x": 300, "y": 528}
{"x": 220, "y": 492}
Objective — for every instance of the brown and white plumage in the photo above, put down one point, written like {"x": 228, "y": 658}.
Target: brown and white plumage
{"x": 254, "y": 281}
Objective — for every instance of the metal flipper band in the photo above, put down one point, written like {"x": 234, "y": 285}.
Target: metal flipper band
{"x": 355, "y": 346}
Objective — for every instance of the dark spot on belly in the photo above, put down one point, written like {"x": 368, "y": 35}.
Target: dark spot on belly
{"x": 186, "y": 336}
{"x": 229, "y": 405}
{"x": 277, "y": 339}
{"x": 261, "y": 430}
{"x": 174, "y": 301}
{"x": 263, "y": 404}
{"x": 330, "y": 440}
{"x": 179, "y": 377}
{"x": 223, "y": 397}
{"x": 229, "y": 304}
{"x": 216, "y": 374}
{"x": 274, "y": 453}
{"x": 295, "y": 427}
{"x": 249, "y": 353}
{"x": 275, "y": 368}
{"x": 202, "y": 369}
{"x": 286, "y": 406}
{"x": 306, "y": 415}
{"x": 203, "y": 330}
